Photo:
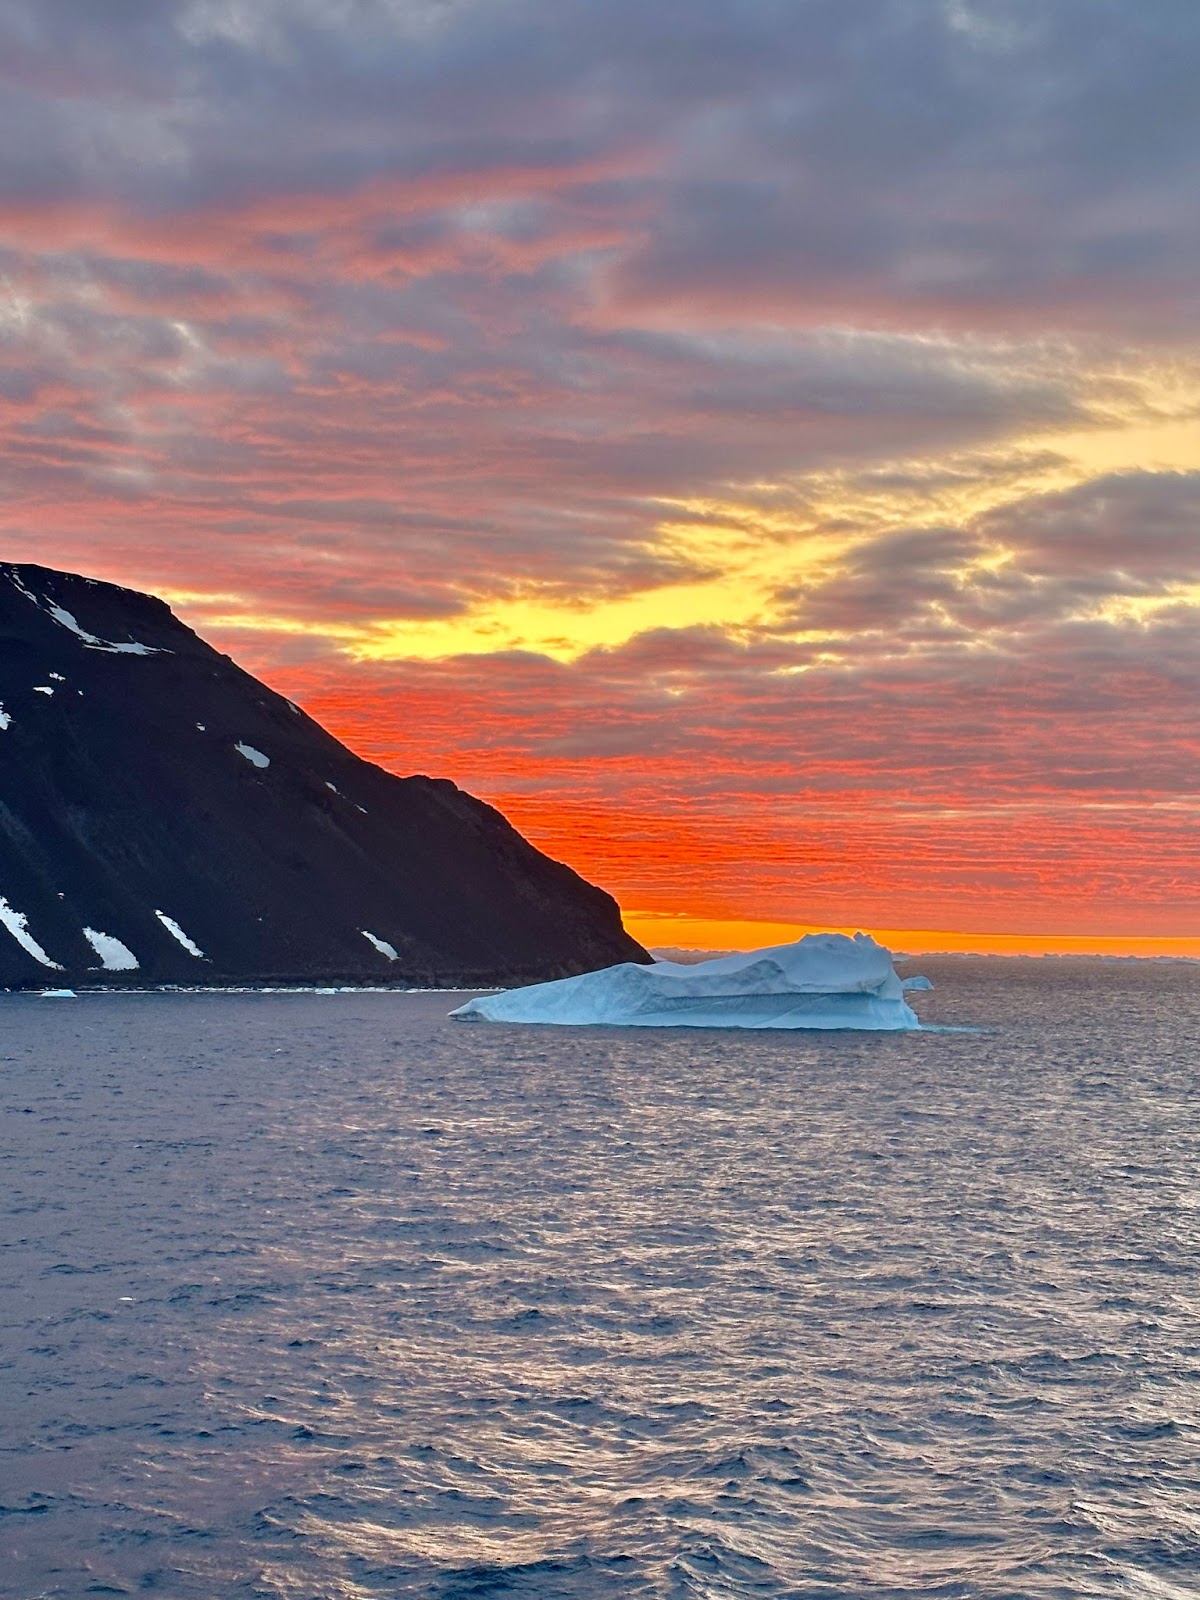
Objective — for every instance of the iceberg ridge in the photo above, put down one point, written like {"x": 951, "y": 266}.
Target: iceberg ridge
{"x": 825, "y": 980}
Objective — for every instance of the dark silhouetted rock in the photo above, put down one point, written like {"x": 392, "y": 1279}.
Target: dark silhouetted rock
{"x": 157, "y": 795}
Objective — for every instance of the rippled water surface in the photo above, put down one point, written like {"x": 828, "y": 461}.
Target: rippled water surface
{"x": 330, "y": 1298}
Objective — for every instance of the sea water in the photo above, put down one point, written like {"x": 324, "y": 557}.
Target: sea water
{"x": 329, "y": 1298}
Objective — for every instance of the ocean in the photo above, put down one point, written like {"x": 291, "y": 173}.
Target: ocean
{"x": 328, "y": 1298}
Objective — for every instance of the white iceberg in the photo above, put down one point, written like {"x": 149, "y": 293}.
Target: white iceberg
{"x": 825, "y": 980}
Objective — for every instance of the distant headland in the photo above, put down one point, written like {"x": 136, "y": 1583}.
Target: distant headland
{"x": 165, "y": 818}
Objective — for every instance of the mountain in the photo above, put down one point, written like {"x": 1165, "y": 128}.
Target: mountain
{"x": 166, "y": 818}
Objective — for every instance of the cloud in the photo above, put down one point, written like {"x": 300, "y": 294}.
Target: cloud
{"x": 759, "y": 361}
{"x": 1047, "y": 559}
{"x": 1129, "y": 529}
{"x": 1025, "y": 762}
{"x": 1043, "y": 787}
{"x": 916, "y": 165}
{"x": 899, "y": 163}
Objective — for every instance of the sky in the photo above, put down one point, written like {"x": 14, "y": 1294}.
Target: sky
{"x": 755, "y": 443}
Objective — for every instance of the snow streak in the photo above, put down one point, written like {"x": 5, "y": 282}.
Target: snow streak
{"x": 17, "y": 924}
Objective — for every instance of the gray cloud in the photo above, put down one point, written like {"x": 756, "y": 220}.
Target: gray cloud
{"x": 903, "y": 158}
{"x": 1139, "y": 527}
{"x": 1046, "y": 558}
{"x": 362, "y": 308}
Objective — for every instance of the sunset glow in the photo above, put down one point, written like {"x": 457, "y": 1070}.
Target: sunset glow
{"x": 756, "y": 446}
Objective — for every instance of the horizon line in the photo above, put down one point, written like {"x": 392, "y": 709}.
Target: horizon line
{"x": 683, "y": 932}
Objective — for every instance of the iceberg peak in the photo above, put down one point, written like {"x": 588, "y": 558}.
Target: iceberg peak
{"x": 825, "y": 980}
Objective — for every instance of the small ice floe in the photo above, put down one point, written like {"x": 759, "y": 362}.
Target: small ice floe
{"x": 200, "y": 728}
{"x": 17, "y": 924}
{"x": 825, "y": 980}
{"x": 179, "y": 936}
{"x": 384, "y": 948}
{"x": 5, "y": 720}
{"x": 253, "y": 756}
{"x": 114, "y": 956}
{"x": 59, "y": 994}
{"x": 57, "y": 676}
{"x": 43, "y": 688}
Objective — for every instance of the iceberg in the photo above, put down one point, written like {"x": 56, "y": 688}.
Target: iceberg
{"x": 825, "y": 980}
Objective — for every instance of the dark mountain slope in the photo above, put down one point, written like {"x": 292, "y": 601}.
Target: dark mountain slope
{"x": 154, "y": 793}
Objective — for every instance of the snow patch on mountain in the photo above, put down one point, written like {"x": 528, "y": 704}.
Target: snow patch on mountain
{"x": 114, "y": 956}
{"x": 18, "y": 925}
{"x": 253, "y": 756}
{"x": 178, "y": 934}
{"x": 66, "y": 619}
{"x": 22, "y": 589}
{"x": 384, "y": 948}
{"x": 825, "y": 980}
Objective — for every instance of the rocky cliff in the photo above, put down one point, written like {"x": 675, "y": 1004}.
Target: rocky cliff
{"x": 167, "y": 818}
